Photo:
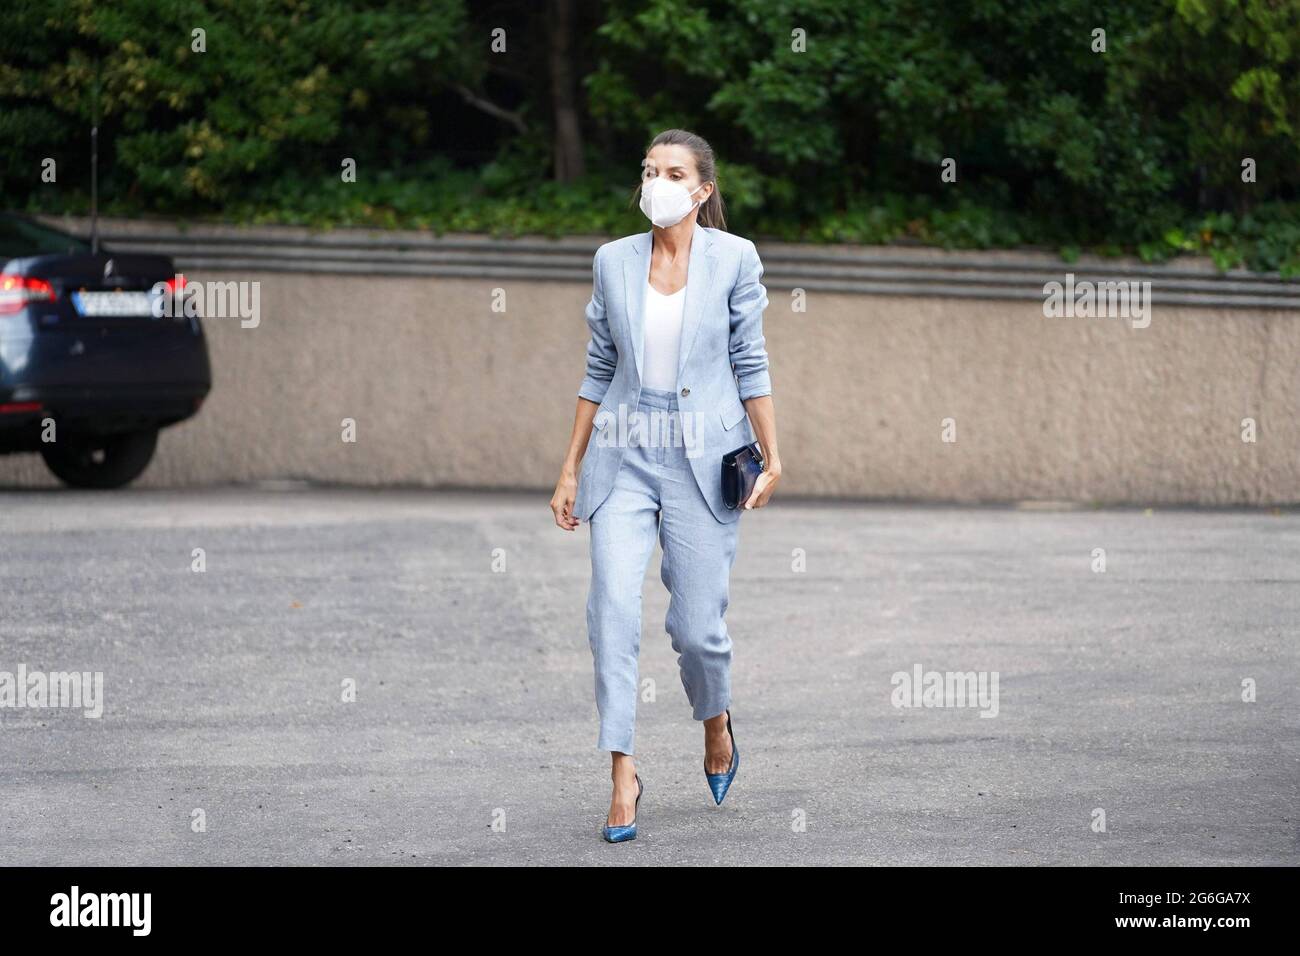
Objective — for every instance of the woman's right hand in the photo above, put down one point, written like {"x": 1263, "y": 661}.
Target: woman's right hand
{"x": 566, "y": 490}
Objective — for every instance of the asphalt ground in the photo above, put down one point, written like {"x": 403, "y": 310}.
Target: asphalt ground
{"x": 225, "y": 736}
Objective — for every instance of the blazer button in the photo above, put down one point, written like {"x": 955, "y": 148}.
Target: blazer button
{"x": 685, "y": 392}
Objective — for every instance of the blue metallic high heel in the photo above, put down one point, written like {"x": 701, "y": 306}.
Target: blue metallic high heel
{"x": 719, "y": 783}
{"x": 627, "y": 832}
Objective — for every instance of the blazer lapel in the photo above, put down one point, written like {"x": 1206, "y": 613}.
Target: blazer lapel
{"x": 636, "y": 276}
{"x": 700, "y": 270}
{"x": 699, "y": 281}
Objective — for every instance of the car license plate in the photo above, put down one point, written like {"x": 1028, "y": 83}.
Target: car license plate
{"x": 112, "y": 303}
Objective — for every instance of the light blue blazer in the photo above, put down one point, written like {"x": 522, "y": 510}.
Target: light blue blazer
{"x": 722, "y": 360}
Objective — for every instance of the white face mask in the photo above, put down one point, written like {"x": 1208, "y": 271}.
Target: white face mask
{"x": 667, "y": 203}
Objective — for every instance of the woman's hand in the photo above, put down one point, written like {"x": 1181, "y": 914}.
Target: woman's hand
{"x": 764, "y": 487}
{"x": 763, "y": 417}
{"x": 566, "y": 490}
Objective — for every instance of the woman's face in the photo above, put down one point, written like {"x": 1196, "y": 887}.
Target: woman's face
{"x": 675, "y": 163}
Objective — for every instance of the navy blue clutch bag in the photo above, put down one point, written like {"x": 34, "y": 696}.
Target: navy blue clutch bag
{"x": 740, "y": 471}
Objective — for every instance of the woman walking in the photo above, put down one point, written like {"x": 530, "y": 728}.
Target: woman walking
{"x": 676, "y": 320}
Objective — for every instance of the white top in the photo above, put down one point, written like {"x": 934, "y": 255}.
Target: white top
{"x": 663, "y": 338}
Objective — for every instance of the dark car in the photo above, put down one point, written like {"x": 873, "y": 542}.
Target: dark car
{"x": 84, "y": 358}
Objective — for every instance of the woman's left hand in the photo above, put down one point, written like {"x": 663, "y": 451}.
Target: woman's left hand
{"x": 764, "y": 487}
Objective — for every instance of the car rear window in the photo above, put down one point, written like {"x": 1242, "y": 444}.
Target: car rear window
{"x": 21, "y": 237}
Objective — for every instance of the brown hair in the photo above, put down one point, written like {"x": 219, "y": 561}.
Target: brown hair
{"x": 712, "y": 209}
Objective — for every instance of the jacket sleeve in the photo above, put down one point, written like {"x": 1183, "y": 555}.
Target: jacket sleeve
{"x": 602, "y": 355}
{"x": 748, "y": 355}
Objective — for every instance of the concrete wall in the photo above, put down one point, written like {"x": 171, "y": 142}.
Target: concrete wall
{"x": 447, "y": 392}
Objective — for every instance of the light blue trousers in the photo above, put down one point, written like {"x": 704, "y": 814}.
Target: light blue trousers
{"x": 655, "y": 492}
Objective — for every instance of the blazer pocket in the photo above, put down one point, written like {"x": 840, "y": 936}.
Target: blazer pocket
{"x": 732, "y": 414}
{"x": 604, "y": 425}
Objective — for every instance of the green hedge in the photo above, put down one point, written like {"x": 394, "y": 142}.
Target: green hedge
{"x": 1139, "y": 148}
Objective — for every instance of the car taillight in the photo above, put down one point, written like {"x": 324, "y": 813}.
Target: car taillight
{"x": 17, "y": 291}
